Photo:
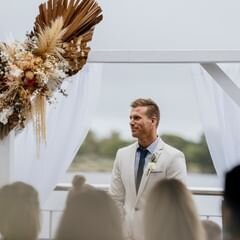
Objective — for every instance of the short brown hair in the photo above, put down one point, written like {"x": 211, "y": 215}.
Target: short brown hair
{"x": 152, "y": 107}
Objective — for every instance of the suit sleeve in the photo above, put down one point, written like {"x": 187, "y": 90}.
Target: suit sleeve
{"x": 177, "y": 167}
{"x": 117, "y": 189}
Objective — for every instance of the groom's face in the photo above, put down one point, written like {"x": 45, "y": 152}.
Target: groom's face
{"x": 141, "y": 125}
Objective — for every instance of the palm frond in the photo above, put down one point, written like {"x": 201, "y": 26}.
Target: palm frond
{"x": 79, "y": 16}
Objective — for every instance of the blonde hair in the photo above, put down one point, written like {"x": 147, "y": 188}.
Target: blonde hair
{"x": 170, "y": 213}
{"x": 19, "y": 212}
{"x": 212, "y": 230}
{"x": 89, "y": 214}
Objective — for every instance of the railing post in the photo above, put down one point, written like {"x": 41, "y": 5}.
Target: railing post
{"x": 50, "y": 223}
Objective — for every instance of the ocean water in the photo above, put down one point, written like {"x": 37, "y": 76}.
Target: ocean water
{"x": 207, "y": 206}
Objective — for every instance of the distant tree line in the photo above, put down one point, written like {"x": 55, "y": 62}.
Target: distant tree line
{"x": 97, "y": 154}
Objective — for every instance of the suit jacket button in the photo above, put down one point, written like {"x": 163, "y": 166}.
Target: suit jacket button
{"x": 136, "y": 209}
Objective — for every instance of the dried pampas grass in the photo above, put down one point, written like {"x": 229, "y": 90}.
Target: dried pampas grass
{"x": 49, "y": 39}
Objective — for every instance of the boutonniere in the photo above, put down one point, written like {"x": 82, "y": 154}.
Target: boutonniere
{"x": 151, "y": 164}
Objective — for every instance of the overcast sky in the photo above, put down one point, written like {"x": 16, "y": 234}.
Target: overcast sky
{"x": 151, "y": 24}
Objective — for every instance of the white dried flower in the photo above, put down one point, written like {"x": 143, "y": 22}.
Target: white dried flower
{"x": 15, "y": 71}
{"x": 4, "y": 115}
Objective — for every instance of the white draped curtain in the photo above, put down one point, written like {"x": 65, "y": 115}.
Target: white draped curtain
{"x": 68, "y": 121}
{"x": 220, "y": 117}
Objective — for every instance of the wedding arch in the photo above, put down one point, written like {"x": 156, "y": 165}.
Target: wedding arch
{"x": 216, "y": 89}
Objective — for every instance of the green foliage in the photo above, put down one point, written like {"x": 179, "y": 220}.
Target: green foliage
{"x": 197, "y": 155}
{"x": 105, "y": 147}
{"x": 98, "y": 154}
{"x": 90, "y": 144}
{"x": 110, "y": 145}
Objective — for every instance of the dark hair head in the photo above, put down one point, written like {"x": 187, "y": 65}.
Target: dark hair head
{"x": 152, "y": 107}
{"x": 232, "y": 188}
{"x": 231, "y": 203}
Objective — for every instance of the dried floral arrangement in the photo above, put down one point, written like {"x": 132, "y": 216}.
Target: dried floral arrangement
{"x": 31, "y": 71}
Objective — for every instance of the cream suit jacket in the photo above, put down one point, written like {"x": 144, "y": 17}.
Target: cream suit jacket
{"x": 170, "y": 163}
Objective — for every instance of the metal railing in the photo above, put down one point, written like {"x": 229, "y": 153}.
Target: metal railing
{"x": 196, "y": 191}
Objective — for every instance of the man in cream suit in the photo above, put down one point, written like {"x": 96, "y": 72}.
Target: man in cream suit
{"x": 139, "y": 166}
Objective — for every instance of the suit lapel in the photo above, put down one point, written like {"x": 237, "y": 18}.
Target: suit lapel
{"x": 146, "y": 172}
{"x": 132, "y": 169}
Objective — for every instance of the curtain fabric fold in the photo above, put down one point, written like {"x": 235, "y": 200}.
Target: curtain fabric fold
{"x": 220, "y": 117}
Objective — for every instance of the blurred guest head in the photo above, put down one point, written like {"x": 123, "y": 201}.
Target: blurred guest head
{"x": 19, "y": 212}
{"x": 212, "y": 230}
{"x": 89, "y": 214}
{"x": 171, "y": 214}
{"x": 231, "y": 204}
